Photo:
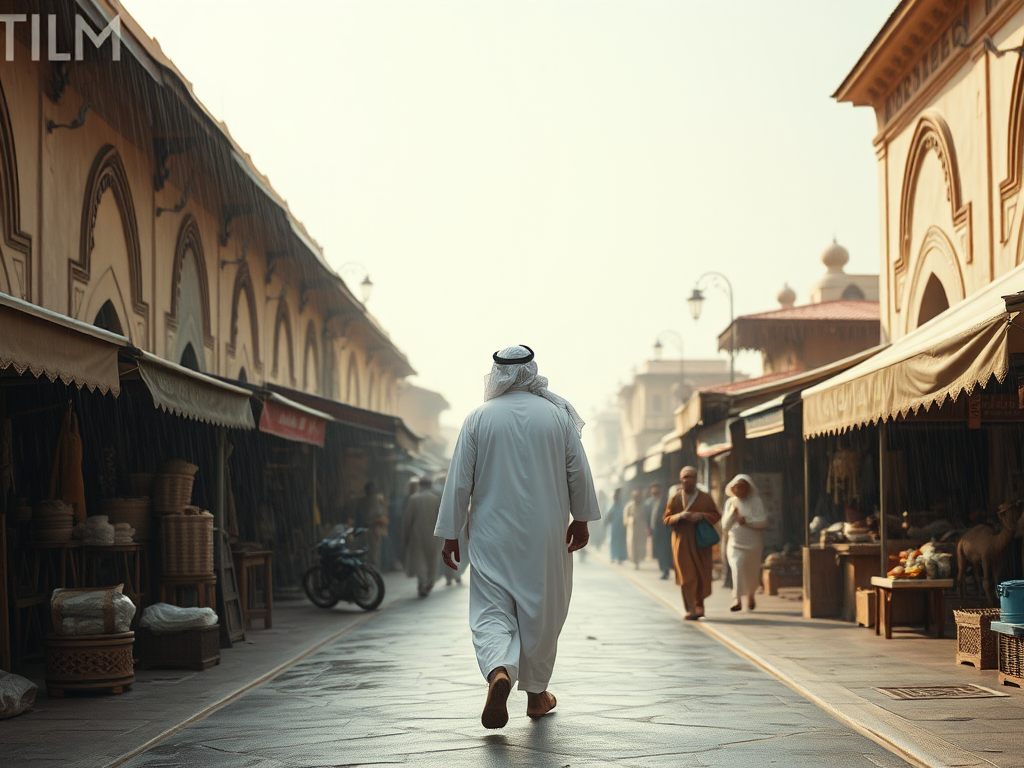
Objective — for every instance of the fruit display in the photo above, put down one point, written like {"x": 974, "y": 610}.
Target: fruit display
{"x": 923, "y": 563}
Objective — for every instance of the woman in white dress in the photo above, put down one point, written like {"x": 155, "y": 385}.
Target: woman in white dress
{"x": 636, "y": 529}
{"x": 744, "y": 520}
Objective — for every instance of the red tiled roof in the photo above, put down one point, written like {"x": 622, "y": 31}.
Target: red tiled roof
{"x": 739, "y": 386}
{"x": 825, "y": 310}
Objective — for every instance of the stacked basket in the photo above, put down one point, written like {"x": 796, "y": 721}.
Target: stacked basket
{"x": 137, "y": 512}
{"x": 186, "y": 543}
{"x": 53, "y": 522}
{"x": 172, "y": 488}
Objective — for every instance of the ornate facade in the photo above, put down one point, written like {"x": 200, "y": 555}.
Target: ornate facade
{"x": 124, "y": 204}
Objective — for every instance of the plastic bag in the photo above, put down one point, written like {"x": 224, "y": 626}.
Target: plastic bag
{"x": 91, "y": 611}
{"x": 162, "y": 618}
{"x": 16, "y": 695}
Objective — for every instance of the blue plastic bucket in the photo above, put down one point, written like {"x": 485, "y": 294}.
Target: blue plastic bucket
{"x": 1011, "y": 601}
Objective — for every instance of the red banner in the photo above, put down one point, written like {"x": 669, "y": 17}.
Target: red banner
{"x": 291, "y": 424}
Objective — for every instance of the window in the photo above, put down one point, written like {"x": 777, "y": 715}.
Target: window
{"x": 189, "y": 359}
{"x": 106, "y": 319}
{"x": 853, "y": 293}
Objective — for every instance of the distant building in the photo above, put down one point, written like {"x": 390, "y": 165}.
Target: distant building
{"x": 648, "y": 403}
{"x": 421, "y": 410}
{"x": 841, "y": 320}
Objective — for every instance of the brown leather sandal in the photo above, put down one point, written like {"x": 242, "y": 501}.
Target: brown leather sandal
{"x": 549, "y": 699}
{"x": 495, "y": 714}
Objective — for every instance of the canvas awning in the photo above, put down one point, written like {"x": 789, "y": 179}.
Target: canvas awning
{"x": 960, "y": 349}
{"x": 765, "y": 419}
{"x": 715, "y": 439}
{"x": 49, "y": 344}
{"x": 194, "y": 395}
{"x": 293, "y": 421}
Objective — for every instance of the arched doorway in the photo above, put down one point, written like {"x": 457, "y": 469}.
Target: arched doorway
{"x": 189, "y": 359}
{"x": 107, "y": 319}
{"x": 242, "y": 377}
{"x": 933, "y": 302}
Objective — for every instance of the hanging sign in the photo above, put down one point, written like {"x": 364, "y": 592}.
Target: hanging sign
{"x": 292, "y": 423}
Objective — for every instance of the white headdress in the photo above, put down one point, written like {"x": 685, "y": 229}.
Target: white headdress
{"x": 514, "y": 369}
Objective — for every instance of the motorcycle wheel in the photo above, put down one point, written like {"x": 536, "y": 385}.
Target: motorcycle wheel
{"x": 369, "y": 593}
{"x": 318, "y": 589}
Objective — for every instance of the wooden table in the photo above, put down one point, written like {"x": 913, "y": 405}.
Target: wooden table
{"x": 932, "y": 589}
{"x": 246, "y": 565}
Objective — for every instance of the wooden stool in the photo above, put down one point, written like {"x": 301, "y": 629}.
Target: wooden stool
{"x": 246, "y": 566}
{"x": 203, "y": 585}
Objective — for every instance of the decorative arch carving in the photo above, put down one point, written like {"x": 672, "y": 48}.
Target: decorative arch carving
{"x": 108, "y": 173}
{"x": 189, "y": 239}
{"x": 10, "y": 200}
{"x": 932, "y": 134}
{"x": 935, "y": 240}
{"x": 283, "y": 318}
{"x": 243, "y": 286}
{"x": 311, "y": 349}
{"x": 1010, "y": 186}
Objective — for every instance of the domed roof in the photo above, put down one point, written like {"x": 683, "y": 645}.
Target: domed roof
{"x": 787, "y": 296}
{"x": 835, "y": 257}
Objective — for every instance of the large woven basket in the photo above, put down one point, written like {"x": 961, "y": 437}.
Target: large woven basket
{"x": 138, "y": 513}
{"x": 89, "y": 663}
{"x": 172, "y": 493}
{"x": 186, "y": 545}
{"x": 1011, "y": 656}
{"x": 976, "y": 643}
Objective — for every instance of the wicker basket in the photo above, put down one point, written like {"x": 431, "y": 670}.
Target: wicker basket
{"x": 186, "y": 545}
{"x": 89, "y": 663}
{"x": 976, "y": 643}
{"x": 1011, "y": 660}
{"x": 137, "y": 512}
{"x": 172, "y": 493}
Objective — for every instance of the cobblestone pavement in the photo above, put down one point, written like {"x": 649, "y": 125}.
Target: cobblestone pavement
{"x": 636, "y": 687}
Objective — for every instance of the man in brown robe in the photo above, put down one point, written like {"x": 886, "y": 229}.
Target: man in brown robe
{"x": 685, "y": 509}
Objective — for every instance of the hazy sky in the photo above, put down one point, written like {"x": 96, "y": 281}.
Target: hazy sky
{"x": 549, "y": 172}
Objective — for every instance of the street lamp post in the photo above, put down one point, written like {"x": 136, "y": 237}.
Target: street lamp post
{"x": 696, "y": 302}
{"x": 365, "y": 285}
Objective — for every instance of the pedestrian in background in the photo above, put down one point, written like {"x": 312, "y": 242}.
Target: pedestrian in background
{"x": 636, "y": 523}
{"x": 661, "y": 536}
{"x": 744, "y": 520}
{"x": 422, "y": 549}
{"x": 617, "y": 528}
{"x": 685, "y": 510}
{"x": 370, "y": 514}
{"x": 520, "y": 463}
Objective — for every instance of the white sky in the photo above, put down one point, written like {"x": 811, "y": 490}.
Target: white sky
{"x": 549, "y": 172}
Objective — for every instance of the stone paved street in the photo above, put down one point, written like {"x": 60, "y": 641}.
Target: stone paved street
{"x": 636, "y": 687}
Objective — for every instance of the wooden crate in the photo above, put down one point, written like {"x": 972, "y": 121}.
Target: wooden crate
{"x": 865, "y": 608}
{"x": 197, "y": 649}
{"x": 976, "y": 643}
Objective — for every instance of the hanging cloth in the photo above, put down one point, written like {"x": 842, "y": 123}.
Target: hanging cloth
{"x": 66, "y": 482}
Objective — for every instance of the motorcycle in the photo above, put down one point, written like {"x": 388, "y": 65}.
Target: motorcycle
{"x": 341, "y": 574}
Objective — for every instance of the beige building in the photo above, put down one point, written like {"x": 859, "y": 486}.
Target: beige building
{"x": 126, "y": 205}
{"x": 950, "y": 146}
{"x": 421, "y": 410}
{"x": 648, "y": 403}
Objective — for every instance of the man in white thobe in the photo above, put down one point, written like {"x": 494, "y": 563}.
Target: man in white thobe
{"x": 422, "y": 549}
{"x": 520, "y": 461}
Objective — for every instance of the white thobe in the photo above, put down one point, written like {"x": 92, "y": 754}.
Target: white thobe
{"x": 519, "y": 459}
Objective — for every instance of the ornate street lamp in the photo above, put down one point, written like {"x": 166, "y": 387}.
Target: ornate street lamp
{"x": 365, "y": 285}
{"x": 696, "y": 303}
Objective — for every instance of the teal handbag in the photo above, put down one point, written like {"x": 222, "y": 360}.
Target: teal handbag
{"x": 707, "y": 536}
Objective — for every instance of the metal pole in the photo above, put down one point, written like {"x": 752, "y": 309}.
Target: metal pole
{"x": 882, "y": 532}
{"x": 732, "y": 335}
{"x": 807, "y": 495}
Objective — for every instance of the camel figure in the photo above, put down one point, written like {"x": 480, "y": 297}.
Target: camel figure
{"x": 985, "y": 549}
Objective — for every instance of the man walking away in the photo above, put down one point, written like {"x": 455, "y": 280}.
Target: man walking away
{"x": 520, "y": 461}
{"x": 661, "y": 536}
{"x": 422, "y": 549}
